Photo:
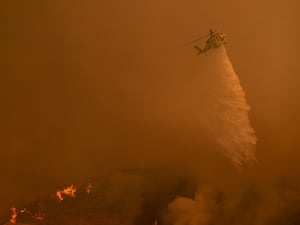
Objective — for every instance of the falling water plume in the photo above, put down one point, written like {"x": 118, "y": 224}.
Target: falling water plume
{"x": 231, "y": 128}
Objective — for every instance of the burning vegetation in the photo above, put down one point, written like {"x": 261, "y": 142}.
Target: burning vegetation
{"x": 13, "y": 215}
{"x": 67, "y": 192}
{"x": 41, "y": 211}
{"x": 124, "y": 198}
{"x": 140, "y": 197}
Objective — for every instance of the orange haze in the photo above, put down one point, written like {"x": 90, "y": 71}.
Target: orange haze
{"x": 93, "y": 87}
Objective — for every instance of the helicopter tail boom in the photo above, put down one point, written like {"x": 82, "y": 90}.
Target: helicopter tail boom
{"x": 200, "y": 50}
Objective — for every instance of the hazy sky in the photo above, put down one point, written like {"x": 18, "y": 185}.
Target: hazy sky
{"x": 90, "y": 87}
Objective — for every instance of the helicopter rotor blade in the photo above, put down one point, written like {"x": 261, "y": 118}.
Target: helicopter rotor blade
{"x": 198, "y": 39}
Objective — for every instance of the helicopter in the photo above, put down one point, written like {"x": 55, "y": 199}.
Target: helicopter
{"x": 215, "y": 40}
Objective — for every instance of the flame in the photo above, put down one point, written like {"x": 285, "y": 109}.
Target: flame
{"x": 59, "y": 195}
{"x": 89, "y": 188}
{"x": 38, "y": 217}
{"x": 68, "y": 191}
{"x": 14, "y": 215}
{"x": 24, "y": 210}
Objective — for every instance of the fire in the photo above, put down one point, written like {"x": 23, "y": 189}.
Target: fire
{"x": 68, "y": 191}
{"x": 38, "y": 217}
{"x": 59, "y": 195}
{"x": 88, "y": 188}
{"x": 14, "y": 215}
{"x": 23, "y": 210}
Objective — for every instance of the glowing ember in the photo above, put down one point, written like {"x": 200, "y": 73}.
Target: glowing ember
{"x": 88, "y": 188}
{"x": 14, "y": 215}
{"x": 68, "y": 191}
{"x": 24, "y": 210}
{"x": 38, "y": 217}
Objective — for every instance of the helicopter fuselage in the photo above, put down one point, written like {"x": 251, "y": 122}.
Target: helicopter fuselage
{"x": 214, "y": 40}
